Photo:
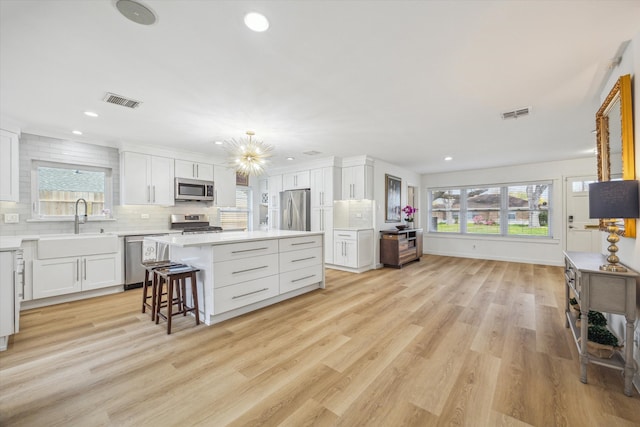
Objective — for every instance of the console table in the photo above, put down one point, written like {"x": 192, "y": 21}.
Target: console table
{"x": 398, "y": 247}
{"x": 611, "y": 292}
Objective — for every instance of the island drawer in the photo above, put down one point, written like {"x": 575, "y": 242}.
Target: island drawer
{"x": 296, "y": 279}
{"x": 297, "y": 243}
{"x": 244, "y": 250}
{"x": 236, "y": 296}
{"x": 296, "y": 260}
{"x": 241, "y": 270}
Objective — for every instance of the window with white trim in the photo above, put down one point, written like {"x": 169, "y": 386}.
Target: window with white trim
{"x": 57, "y": 186}
{"x": 240, "y": 216}
{"x": 521, "y": 209}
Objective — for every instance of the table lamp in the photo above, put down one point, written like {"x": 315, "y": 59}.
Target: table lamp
{"x": 610, "y": 201}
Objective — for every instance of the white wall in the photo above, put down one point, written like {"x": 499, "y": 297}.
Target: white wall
{"x": 533, "y": 250}
{"x": 629, "y": 249}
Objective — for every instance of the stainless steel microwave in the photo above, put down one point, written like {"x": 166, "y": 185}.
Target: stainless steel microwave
{"x": 193, "y": 190}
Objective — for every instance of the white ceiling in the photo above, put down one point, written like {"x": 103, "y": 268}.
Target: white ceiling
{"x": 408, "y": 82}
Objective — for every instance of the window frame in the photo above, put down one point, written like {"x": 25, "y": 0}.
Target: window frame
{"x": 504, "y": 210}
{"x": 35, "y": 190}
{"x": 248, "y": 210}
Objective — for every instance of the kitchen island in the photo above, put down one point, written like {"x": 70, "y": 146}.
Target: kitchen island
{"x": 244, "y": 271}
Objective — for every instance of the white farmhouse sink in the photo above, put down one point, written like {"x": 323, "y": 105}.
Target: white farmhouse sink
{"x": 69, "y": 245}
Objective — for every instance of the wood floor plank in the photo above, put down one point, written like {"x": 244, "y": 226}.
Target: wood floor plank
{"x": 443, "y": 341}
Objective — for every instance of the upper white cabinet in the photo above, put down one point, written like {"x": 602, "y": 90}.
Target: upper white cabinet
{"x": 295, "y": 180}
{"x": 9, "y": 162}
{"x": 146, "y": 179}
{"x": 357, "y": 182}
{"x": 194, "y": 170}
{"x": 224, "y": 180}
{"x": 325, "y": 185}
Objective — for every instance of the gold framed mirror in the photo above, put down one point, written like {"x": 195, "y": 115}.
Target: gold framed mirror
{"x": 614, "y": 130}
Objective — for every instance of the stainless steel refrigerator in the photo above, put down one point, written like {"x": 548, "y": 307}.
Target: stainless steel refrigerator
{"x": 295, "y": 210}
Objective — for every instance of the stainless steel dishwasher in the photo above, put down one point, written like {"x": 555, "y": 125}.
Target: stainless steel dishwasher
{"x": 135, "y": 252}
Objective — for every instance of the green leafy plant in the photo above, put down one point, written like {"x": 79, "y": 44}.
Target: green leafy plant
{"x": 573, "y": 301}
{"x": 595, "y": 318}
{"x": 601, "y": 335}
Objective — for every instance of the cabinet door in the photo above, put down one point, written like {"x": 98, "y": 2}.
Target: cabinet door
{"x": 162, "y": 181}
{"x": 274, "y": 219}
{"x": 58, "y": 276}
{"x": 99, "y": 271}
{"x": 322, "y": 220}
{"x": 275, "y": 187}
{"x": 357, "y": 182}
{"x": 185, "y": 169}
{"x": 317, "y": 188}
{"x": 135, "y": 185}
{"x": 351, "y": 253}
{"x": 9, "y": 163}
{"x": 364, "y": 251}
{"x": 7, "y": 297}
{"x": 204, "y": 171}
{"x": 224, "y": 180}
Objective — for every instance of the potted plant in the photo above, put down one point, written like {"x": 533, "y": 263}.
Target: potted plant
{"x": 408, "y": 214}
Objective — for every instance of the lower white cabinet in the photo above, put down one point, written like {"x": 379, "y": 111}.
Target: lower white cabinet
{"x": 353, "y": 248}
{"x": 59, "y": 276}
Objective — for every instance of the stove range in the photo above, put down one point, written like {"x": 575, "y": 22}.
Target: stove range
{"x": 193, "y": 224}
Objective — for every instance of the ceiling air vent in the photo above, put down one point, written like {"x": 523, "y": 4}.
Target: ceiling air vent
{"x": 112, "y": 98}
{"x": 516, "y": 113}
{"x": 311, "y": 153}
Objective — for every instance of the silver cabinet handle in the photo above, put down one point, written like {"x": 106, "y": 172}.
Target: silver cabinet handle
{"x": 197, "y": 170}
{"x": 302, "y": 259}
{"x": 249, "y": 269}
{"x": 85, "y": 269}
{"x": 250, "y": 293}
{"x": 303, "y": 243}
{"x": 148, "y": 193}
{"x": 193, "y": 170}
{"x": 78, "y": 270}
{"x": 248, "y": 250}
{"x": 154, "y": 194}
{"x": 303, "y": 278}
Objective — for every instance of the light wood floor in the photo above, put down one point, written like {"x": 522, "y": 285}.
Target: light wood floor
{"x": 445, "y": 341}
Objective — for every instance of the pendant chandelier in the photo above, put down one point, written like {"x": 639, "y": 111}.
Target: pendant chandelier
{"x": 248, "y": 157}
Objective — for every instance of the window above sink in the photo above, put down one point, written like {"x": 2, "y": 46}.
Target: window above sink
{"x": 55, "y": 188}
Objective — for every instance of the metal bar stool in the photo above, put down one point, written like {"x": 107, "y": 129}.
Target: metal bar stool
{"x": 175, "y": 278}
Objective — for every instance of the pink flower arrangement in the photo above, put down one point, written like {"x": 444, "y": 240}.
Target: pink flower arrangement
{"x": 409, "y": 211}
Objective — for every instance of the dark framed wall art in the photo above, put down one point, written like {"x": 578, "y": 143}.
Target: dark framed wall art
{"x": 392, "y": 192}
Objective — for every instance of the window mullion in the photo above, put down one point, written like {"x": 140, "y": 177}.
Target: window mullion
{"x": 504, "y": 211}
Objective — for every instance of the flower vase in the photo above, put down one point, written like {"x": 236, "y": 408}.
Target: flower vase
{"x": 409, "y": 224}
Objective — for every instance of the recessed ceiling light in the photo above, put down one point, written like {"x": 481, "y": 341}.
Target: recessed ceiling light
{"x": 90, "y": 114}
{"x": 291, "y": 158}
{"x": 448, "y": 158}
{"x": 76, "y": 132}
{"x": 256, "y": 22}
{"x": 218, "y": 142}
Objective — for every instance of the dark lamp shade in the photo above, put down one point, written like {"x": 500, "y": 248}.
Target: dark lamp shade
{"x": 614, "y": 199}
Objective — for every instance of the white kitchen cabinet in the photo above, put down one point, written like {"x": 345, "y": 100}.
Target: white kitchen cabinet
{"x": 357, "y": 182}
{"x": 322, "y": 220}
{"x": 9, "y": 163}
{"x": 275, "y": 187}
{"x": 296, "y": 180}
{"x": 274, "y": 219}
{"x": 11, "y": 290}
{"x": 193, "y": 170}
{"x": 224, "y": 181}
{"x": 353, "y": 249}
{"x": 146, "y": 179}
{"x": 325, "y": 186}
{"x": 59, "y": 276}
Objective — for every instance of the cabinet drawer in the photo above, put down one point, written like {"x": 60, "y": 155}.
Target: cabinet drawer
{"x": 394, "y": 236}
{"x": 300, "y": 259}
{"x": 345, "y": 235}
{"x": 297, "y": 243}
{"x": 244, "y": 250}
{"x": 236, "y": 296}
{"x": 241, "y": 270}
{"x": 296, "y": 279}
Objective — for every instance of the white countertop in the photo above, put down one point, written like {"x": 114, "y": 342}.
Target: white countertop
{"x": 229, "y": 237}
{"x": 10, "y": 243}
